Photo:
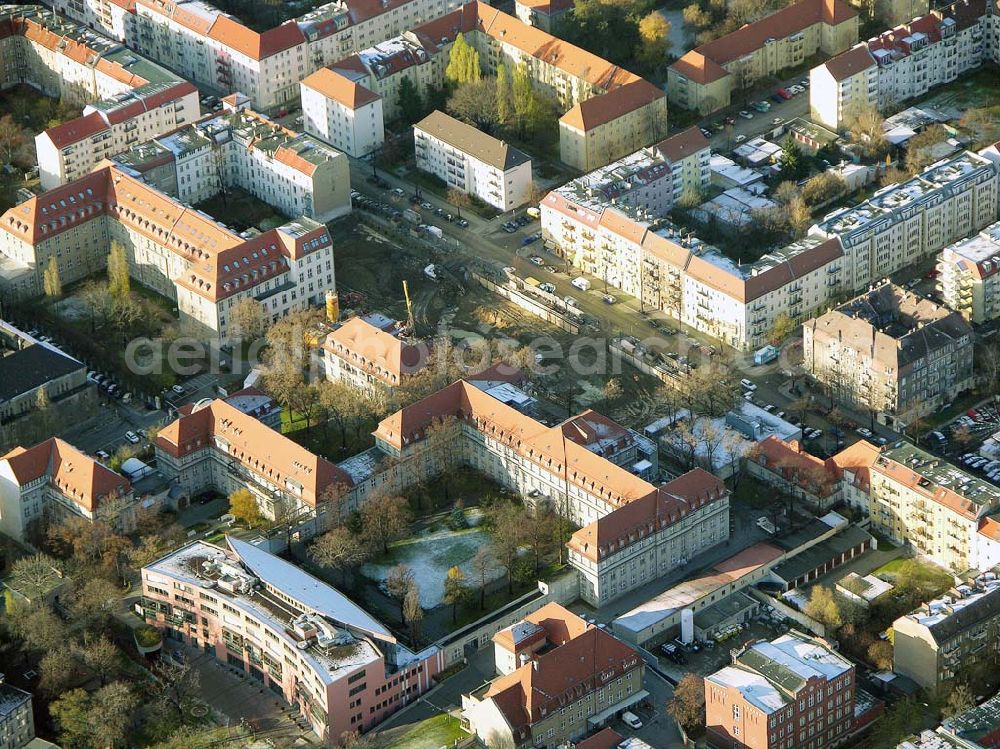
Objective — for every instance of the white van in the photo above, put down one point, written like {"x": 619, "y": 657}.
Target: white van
{"x": 581, "y": 283}
{"x": 631, "y": 720}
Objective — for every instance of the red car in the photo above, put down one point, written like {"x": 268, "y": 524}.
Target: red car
{"x": 931, "y": 274}
{"x": 784, "y": 93}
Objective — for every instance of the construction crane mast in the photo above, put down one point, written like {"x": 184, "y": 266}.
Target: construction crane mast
{"x": 409, "y": 308}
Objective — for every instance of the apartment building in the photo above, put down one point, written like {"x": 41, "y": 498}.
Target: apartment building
{"x": 53, "y": 480}
{"x": 794, "y": 691}
{"x": 936, "y": 507}
{"x": 891, "y": 353}
{"x": 293, "y": 172}
{"x": 609, "y": 111}
{"x": 904, "y": 223}
{"x": 342, "y": 113}
{"x": 217, "y": 446}
{"x": 977, "y": 727}
{"x": 304, "y": 641}
{"x": 143, "y": 202}
{"x": 587, "y": 469}
{"x": 969, "y": 276}
{"x": 650, "y": 536}
{"x": 17, "y": 722}
{"x": 127, "y": 98}
{"x": 566, "y": 677}
{"x": 708, "y": 77}
{"x": 901, "y": 63}
{"x": 214, "y": 49}
{"x": 28, "y": 366}
{"x": 67, "y": 152}
{"x": 939, "y": 643}
{"x": 472, "y": 162}
{"x": 113, "y": 18}
{"x": 545, "y": 14}
{"x": 367, "y": 357}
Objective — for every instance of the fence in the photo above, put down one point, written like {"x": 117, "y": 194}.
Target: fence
{"x": 535, "y": 307}
{"x": 564, "y": 589}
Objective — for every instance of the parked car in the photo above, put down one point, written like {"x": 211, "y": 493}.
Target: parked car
{"x": 570, "y": 301}
{"x": 777, "y": 121}
{"x": 463, "y": 223}
{"x": 179, "y": 389}
{"x": 746, "y": 115}
{"x": 608, "y": 299}
{"x": 784, "y": 93}
{"x": 536, "y": 260}
{"x": 103, "y": 455}
{"x": 706, "y": 132}
{"x": 631, "y": 720}
{"x": 740, "y": 138}
{"x": 132, "y": 437}
{"x": 748, "y": 384}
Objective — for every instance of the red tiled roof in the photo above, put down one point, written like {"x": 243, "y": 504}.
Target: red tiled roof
{"x": 75, "y": 475}
{"x": 704, "y": 64}
{"x": 563, "y": 675}
{"x": 658, "y": 509}
{"x": 850, "y": 63}
{"x": 76, "y": 130}
{"x": 258, "y": 448}
{"x": 682, "y": 145}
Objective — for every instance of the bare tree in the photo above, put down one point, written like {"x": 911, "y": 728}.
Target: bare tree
{"x": 397, "y": 584}
{"x": 339, "y": 548}
{"x": 384, "y": 518}
{"x": 412, "y": 612}
{"x": 507, "y": 534}
{"x": 483, "y": 565}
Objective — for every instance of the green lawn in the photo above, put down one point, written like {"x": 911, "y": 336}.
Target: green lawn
{"x": 890, "y": 568}
{"x": 441, "y": 730}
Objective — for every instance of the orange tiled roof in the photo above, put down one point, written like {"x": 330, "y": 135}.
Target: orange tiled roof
{"x": 373, "y": 350}
{"x": 75, "y": 475}
{"x": 858, "y": 458}
{"x": 343, "y": 90}
{"x": 704, "y": 64}
{"x": 659, "y": 508}
{"x": 258, "y": 448}
{"x": 586, "y": 662}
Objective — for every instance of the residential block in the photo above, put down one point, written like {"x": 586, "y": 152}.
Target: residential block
{"x": 472, "y": 162}
{"x": 891, "y": 353}
{"x": 969, "y": 276}
{"x": 126, "y": 99}
{"x": 710, "y": 76}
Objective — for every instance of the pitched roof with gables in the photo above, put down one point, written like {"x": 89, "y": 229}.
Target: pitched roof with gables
{"x": 589, "y": 660}
{"x": 339, "y": 88}
{"x": 258, "y": 448}
{"x": 545, "y": 446}
{"x": 72, "y": 473}
{"x": 374, "y": 351}
{"x": 704, "y": 64}
{"x": 660, "y": 508}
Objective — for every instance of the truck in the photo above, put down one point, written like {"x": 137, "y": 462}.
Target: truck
{"x": 581, "y": 283}
{"x": 412, "y": 216}
{"x": 434, "y": 232}
{"x": 765, "y": 355}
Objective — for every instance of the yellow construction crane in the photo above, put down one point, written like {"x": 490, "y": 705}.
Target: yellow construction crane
{"x": 409, "y": 308}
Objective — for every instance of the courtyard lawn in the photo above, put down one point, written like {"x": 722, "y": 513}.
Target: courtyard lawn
{"x": 430, "y": 557}
{"x": 242, "y": 210}
{"x": 440, "y": 731}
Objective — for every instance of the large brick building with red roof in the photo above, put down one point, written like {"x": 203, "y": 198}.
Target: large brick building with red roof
{"x": 569, "y": 678}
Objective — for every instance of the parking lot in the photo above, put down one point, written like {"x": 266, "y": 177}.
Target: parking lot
{"x": 962, "y": 440}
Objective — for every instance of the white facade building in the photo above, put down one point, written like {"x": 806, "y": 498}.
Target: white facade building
{"x": 903, "y": 63}
{"x": 472, "y": 162}
{"x": 126, "y": 99}
{"x": 342, "y": 113}
{"x": 969, "y": 276}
